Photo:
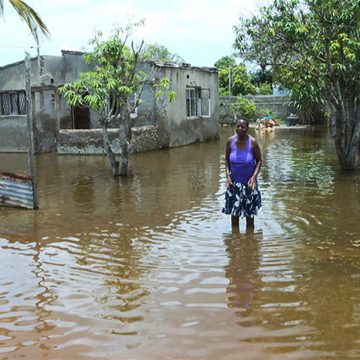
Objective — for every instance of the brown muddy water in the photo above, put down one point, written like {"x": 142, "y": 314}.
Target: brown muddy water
{"x": 149, "y": 268}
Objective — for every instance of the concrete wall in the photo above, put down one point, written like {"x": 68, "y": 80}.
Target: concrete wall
{"x": 144, "y": 138}
{"x": 56, "y": 70}
{"x": 61, "y": 69}
{"x": 13, "y": 133}
{"x": 183, "y": 130}
{"x": 13, "y": 75}
{"x": 276, "y": 104}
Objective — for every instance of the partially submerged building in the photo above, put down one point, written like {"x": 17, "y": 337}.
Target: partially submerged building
{"x": 193, "y": 116}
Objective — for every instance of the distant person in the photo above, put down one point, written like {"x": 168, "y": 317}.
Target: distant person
{"x": 242, "y": 163}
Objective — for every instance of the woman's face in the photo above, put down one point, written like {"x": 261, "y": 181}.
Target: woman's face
{"x": 241, "y": 127}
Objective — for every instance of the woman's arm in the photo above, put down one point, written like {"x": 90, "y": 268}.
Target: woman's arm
{"x": 227, "y": 163}
{"x": 258, "y": 160}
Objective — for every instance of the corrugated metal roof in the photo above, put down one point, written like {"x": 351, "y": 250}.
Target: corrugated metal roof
{"x": 16, "y": 190}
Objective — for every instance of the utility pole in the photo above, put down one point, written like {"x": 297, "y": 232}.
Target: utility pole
{"x": 30, "y": 126}
{"x": 229, "y": 79}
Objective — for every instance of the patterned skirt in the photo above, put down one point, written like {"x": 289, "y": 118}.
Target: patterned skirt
{"x": 242, "y": 201}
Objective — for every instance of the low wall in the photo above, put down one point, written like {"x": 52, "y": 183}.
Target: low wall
{"x": 13, "y": 133}
{"x": 274, "y": 103}
{"x": 144, "y": 138}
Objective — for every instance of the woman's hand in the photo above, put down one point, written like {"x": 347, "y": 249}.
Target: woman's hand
{"x": 228, "y": 180}
{"x": 252, "y": 182}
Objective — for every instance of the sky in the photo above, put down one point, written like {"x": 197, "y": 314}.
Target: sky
{"x": 200, "y": 31}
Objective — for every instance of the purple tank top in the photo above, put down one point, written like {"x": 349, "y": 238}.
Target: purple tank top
{"x": 242, "y": 162}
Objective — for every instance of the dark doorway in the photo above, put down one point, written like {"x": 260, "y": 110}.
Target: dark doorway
{"x": 81, "y": 117}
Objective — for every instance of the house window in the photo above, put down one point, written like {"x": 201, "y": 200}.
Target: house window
{"x": 204, "y": 102}
{"x": 197, "y": 102}
{"x": 191, "y": 103}
{"x": 13, "y": 102}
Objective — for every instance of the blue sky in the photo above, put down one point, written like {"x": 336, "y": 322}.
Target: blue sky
{"x": 200, "y": 31}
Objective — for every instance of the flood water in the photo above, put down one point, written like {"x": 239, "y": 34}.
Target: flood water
{"x": 149, "y": 268}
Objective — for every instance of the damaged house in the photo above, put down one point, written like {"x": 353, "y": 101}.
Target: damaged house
{"x": 192, "y": 117}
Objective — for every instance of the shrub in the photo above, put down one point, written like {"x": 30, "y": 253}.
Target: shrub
{"x": 244, "y": 107}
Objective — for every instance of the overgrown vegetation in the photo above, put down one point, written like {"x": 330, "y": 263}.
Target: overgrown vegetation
{"x": 244, "y": 107}
{"x": 157, "y": 52}
{"x": 313, "y": 48}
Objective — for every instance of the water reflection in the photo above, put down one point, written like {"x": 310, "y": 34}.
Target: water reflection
{"x": 243, "y": 273}
{"x": 84, "y": 193}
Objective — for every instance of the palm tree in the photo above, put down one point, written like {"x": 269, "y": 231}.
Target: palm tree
{"x": 28, "y": 15}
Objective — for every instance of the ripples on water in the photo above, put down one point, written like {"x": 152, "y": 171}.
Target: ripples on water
{"x": 148, "y": 267}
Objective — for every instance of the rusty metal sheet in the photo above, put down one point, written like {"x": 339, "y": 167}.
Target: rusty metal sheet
{"x": 16, "y": 190}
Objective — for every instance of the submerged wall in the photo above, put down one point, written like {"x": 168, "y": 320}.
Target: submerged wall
{"x": 144, "y": 138}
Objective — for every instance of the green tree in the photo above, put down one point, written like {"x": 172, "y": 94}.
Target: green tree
{"x": 156, "y": 52}
{"x": 110, "y": 88}
{"x": 262, "y": 77}
{"x": 233, "y": 79}
{"x": 313, "y": 44}
{"x": 28, "y": 15}
{"x": 225, "y": 62}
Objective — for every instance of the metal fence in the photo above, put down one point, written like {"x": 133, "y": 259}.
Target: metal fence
{"x": 13, "y": 102}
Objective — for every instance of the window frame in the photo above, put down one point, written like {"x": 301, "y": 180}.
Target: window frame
{"x": 194, "y": 102}
{"x": 201, "y": 98}
{"x": 191, "y": 103}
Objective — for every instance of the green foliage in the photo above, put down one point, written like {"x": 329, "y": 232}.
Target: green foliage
{"x": 163, "y": 90}
{"x": 116, "y": 77}
{"x": 307, "y": 102}
{"x": 262, "y": 76}
{"x": 28, "y": 15}
{"x": 156, "y": 52}
{"x": 244, "y": 107}
{"x": 313, "y": 47}
{"x": 114, "y": 87}
{"x": 241, "y": 81}
{"x": 225, "y": 62}
{"x": 264, "y": 111}
{"x": 265, "y": 89}
{"x": 237, "y": 75}
{"x": 316, "y": 42}
{"x": 115, "y": 74}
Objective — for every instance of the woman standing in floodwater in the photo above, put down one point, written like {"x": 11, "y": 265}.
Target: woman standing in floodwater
{"x": 242, "y": 165}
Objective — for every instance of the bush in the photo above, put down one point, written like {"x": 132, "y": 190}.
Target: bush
{"x": 265, "y": 89}
{"x": 264, "y": 111}
{"x": 244, "y": 107}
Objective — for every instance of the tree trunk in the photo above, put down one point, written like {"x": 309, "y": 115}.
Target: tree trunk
{"x": 111, "y": 156}
{"x": 346, "y": 133}
{"x": 124, "y": 131}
